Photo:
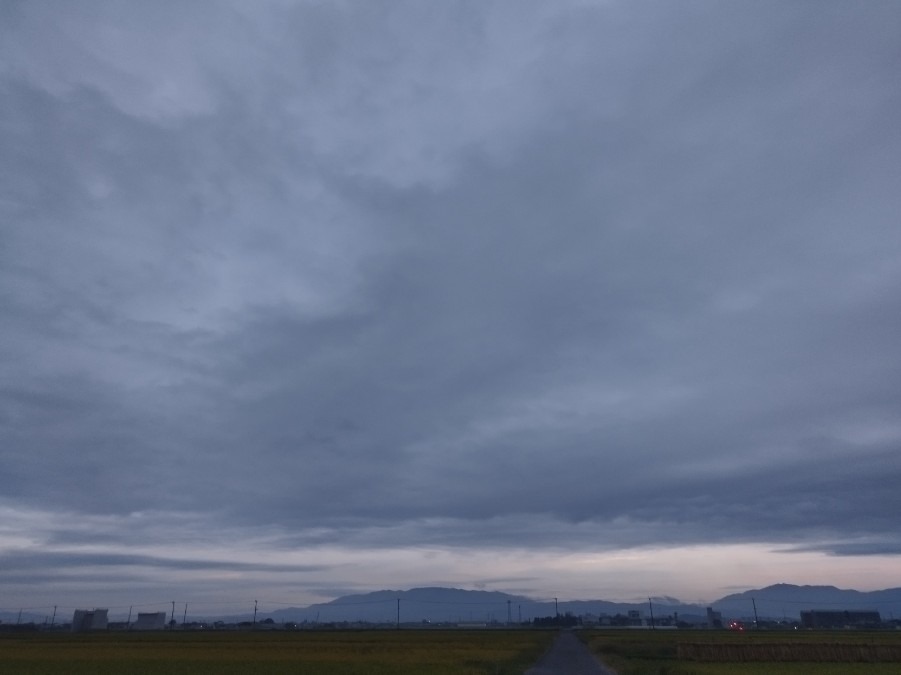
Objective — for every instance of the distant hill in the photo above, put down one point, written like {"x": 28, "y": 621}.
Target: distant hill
{"x": 457, "y": 605}
{"x": 417, "y": 604}
{"x": 788, "y": 600}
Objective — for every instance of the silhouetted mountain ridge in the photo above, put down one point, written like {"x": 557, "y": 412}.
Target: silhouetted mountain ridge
{"x": 440, "y": 604}
{"x": 788, "y": 600}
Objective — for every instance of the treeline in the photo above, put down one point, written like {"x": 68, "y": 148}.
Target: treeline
{"x": 561, "y": 620}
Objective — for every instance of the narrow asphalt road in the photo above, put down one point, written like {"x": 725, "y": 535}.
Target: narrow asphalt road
{"x": 568, "y": 656}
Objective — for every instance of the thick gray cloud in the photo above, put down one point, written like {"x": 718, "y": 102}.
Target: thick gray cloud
{"x": 582, "y": 275}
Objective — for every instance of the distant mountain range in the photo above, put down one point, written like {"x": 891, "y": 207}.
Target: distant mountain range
{"x": 439, "y": 605}
{"x": 787, "y": 600}
{"x": 456, "y": 605}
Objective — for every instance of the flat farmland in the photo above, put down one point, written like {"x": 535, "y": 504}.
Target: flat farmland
{"x": 644, "y": 652}
{"x": 439, "y": 652}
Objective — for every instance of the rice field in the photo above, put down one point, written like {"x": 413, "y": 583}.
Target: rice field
{"x": 444, "y": 652}
{"x": 438, "y": 652}
{"x": 751, "y": 652}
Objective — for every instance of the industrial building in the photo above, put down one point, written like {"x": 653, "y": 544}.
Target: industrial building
{"x": 89, "y": 619}
{"x": 150, "y": 621}
{"x": 714, "y": 618}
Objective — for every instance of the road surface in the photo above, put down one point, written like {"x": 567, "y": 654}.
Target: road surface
{"x": 568, "y": 656}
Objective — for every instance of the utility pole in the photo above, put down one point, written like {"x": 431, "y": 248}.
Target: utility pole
{"x": 398, "y": 614}
{"x": 753, "y": 602}
{"x": 172, "y": 621}
{"x": 254, "y": 613}
{"x": 556, "y": 610}
{"x": 184, "y": 619}
{"x": 652, "y": 613}
{"x": 53, "y": 620}
{"x": 127, "y": 623}
{"x": 19, "y": 620}
{"x": 520, "y": 613}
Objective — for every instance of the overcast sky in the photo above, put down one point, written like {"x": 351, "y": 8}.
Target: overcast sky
{"x": 576, "y": 299}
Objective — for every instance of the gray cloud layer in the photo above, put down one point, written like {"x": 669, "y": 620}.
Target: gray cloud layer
{"x": 587, "y": 274}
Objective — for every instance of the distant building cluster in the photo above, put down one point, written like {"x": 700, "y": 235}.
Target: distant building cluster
{"x": 96, "y": 619}
{"x": 819, "y": 618}
{"x": 88, "y": 620}
{"x": 84, "y": 620}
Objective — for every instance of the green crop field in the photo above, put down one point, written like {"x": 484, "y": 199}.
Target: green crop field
{"x": 669, "y": 652}
{"x": 438, "y": 652}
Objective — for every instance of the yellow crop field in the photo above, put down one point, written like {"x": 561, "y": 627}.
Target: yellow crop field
{"x": 672, "y": 652}
{"x": 438, "y": 652}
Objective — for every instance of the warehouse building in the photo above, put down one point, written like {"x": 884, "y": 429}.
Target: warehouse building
{"x": 89, "y": 619}
{"x": 150, "y": 621}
